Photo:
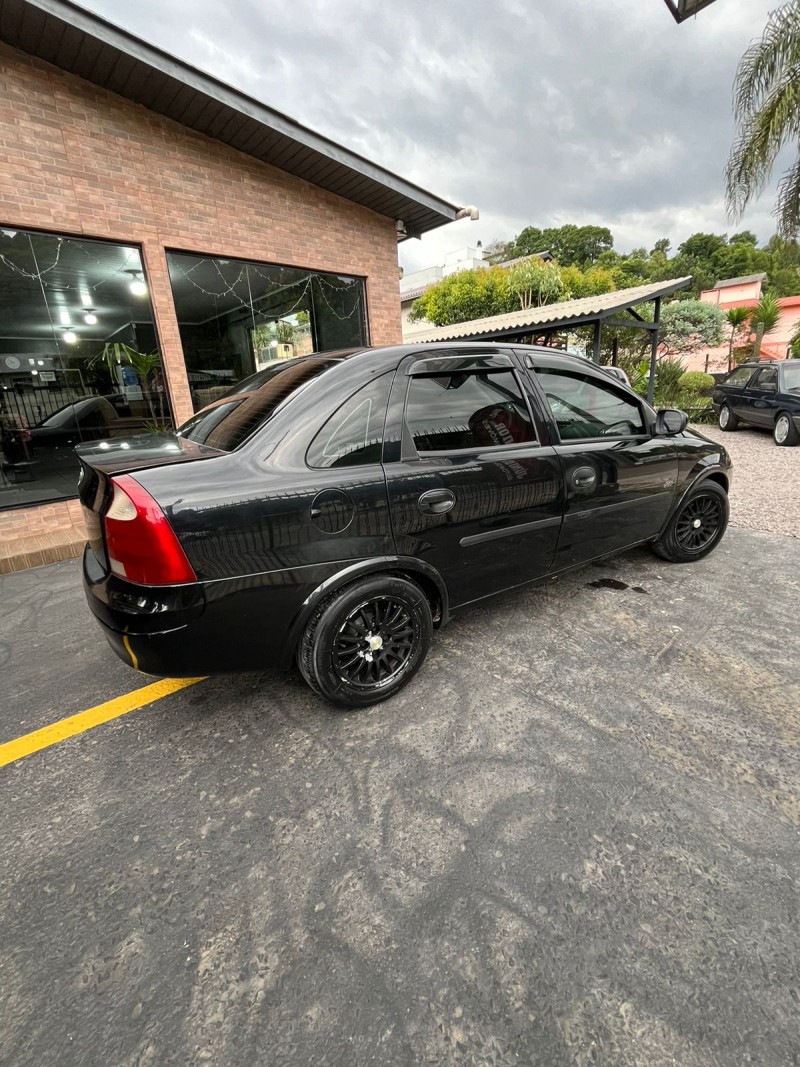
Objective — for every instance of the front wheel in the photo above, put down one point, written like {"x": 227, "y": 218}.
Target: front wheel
{"x": 697, "y": 526}
{"x": 785, "y": 431}
{"x": 367, "y": 641}
{"x": 727, "y": 420}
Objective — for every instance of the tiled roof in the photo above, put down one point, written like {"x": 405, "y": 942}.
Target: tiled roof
{"x": 567, "y": 312}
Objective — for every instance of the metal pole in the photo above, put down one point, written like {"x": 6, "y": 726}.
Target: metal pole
{"x": 596, "y": 343}
{"x": 651, "y": 385}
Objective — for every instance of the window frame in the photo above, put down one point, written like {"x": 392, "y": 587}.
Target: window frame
{"x": 489, "y": 362}
{"x": 388, "y": 374}
{"x": 755, "y": 383}
{"x": 737, "y": 385}
{"x": 534, "y": 365}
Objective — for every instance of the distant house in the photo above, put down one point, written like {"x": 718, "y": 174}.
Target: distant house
{"x": 413, "y": 285}
{"x": 746, "y": 292}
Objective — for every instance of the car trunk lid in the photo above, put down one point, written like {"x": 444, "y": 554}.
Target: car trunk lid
{"x": 101, "y": 460}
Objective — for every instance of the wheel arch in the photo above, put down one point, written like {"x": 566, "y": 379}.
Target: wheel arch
{"x": 714, "y": 474}
{"x": 422, "y": 574}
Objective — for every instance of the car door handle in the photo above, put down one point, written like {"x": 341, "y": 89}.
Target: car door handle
{"x": 436, "y": 501}
{"x": 584, "y": 478}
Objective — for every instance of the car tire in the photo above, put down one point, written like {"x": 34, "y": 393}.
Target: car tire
{"x": 339, "y": 655}
{"x": 784, "y": 433}
{"x": 727, "y": 420}
{"x": 697, "y": 526}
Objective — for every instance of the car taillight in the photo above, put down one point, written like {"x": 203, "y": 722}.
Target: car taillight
{"x": 140, "y": 542}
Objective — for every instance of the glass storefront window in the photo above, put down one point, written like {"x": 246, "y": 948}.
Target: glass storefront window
{"x": 79, "y": 358}
{"x": 239, "y": 317}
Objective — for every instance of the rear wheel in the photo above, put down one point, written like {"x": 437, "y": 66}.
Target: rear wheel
{"x": 727, "y": 419}
{"x": 697, "y": 527}
{"x": 367, "y": 641}
{"x": 785, "y": 431}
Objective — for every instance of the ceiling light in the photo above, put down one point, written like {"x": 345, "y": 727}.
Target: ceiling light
{"x": 63, "y": 315}
{"x": 40, "y": 362}
{"x": 90, "y": 318}
{"x": 137, "y": 285}
{"x": 70, "y": 337}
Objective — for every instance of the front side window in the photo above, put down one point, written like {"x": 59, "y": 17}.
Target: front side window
{"x": 583, "y": 407}
{"x": 353, "y": 435}
{"x": 739, "y": 377}
{"x": 467, "y": 409}
{"x": 767, "y": 379}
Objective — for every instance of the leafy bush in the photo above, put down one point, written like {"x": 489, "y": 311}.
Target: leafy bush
{"x": 668, "y": 378}
{"x": 695, "y": 383}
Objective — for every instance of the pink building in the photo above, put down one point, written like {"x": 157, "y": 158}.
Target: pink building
{"x": 746, "y": 292}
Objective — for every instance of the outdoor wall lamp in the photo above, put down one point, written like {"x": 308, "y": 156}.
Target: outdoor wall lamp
{"x": 470, "y": 212}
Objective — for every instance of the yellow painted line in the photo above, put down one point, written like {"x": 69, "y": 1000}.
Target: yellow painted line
{"x": 87, "y": 720}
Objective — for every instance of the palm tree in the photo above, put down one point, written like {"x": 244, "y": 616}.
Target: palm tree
{"x": 766, "y": 104}
{"x": 736, "y": 318}
{"x": 764, "y": 318}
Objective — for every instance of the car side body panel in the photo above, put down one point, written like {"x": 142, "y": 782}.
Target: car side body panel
{"x": 270, "y": 538}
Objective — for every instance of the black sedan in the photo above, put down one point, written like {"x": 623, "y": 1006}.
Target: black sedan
{"x": 766, "y": 395}
{"x": 342, "y": 509}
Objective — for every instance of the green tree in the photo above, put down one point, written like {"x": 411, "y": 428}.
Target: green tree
{"x": 766, "y": 98}
{"x": 764, "y": 317}
{"x": 736, "y": 319}
{"x": 466, "y": 295}
{"x": 534, "y": 282}
{"x": 578, "y": 283}
{"x": 690, "y": 324}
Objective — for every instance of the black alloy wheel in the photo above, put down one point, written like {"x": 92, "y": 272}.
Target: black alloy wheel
{"x": 698, "y": 523}
{"x": 697, "y": 527}
{"x": 374, "y": 643}
{"x": 365, "y": 642}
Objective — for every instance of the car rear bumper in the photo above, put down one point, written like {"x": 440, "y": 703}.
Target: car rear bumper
{"x": 188, "y": 631}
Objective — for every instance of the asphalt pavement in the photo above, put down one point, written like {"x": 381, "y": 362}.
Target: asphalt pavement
{"x": 572, "y": 840}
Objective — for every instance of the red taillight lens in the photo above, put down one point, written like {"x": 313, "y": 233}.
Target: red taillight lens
{"x": 141, "y": 544}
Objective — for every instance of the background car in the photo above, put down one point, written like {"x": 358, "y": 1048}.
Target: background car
{"x": 765, "y": 395}
{"x": 348, "y": 505}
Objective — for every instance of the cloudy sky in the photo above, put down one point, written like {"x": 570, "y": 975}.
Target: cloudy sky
{"x": 543, "y": 113}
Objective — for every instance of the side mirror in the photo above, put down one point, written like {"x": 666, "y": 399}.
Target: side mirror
{"x": 670, "y": 421}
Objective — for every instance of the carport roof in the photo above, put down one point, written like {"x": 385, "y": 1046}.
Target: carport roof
{"x": 81, "y": 43}
{"x": 566, "y": 313}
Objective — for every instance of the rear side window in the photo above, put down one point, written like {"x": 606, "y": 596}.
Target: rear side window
{"x": 739, "y": 377}
{"x": 585, "y": 407}
{"x": 353, "y": 435}
{"x": 467, "y": 409}
{"x": 228, "y": 423}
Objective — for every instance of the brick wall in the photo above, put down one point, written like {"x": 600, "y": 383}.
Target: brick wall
{"x": 76, "y": 159}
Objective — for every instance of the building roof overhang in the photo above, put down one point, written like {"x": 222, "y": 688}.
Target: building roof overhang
{"x": 83, "y": 44}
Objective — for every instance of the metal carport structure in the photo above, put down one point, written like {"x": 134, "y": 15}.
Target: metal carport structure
{"x": 597, "y": 311}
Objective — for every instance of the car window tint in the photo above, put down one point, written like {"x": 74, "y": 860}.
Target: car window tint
{"x": 791, "y": 377}
{"x": 767, "y": 379}
{"x": 227, "y": 424}
{"x": 467, "y": 409}
{"x": 353, "y": 435}
{"x": 739, "y": 377}
{"x": 585, "y": 407}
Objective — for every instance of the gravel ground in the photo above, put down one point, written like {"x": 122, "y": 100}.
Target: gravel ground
{"x": 766, "y": 480}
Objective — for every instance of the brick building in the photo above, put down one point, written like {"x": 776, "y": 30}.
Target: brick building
{"x": 162, "y": 236}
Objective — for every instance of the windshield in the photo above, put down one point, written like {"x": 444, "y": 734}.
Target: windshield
{"x": 229, "y": 422}
{"x": 791, "y": 377}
